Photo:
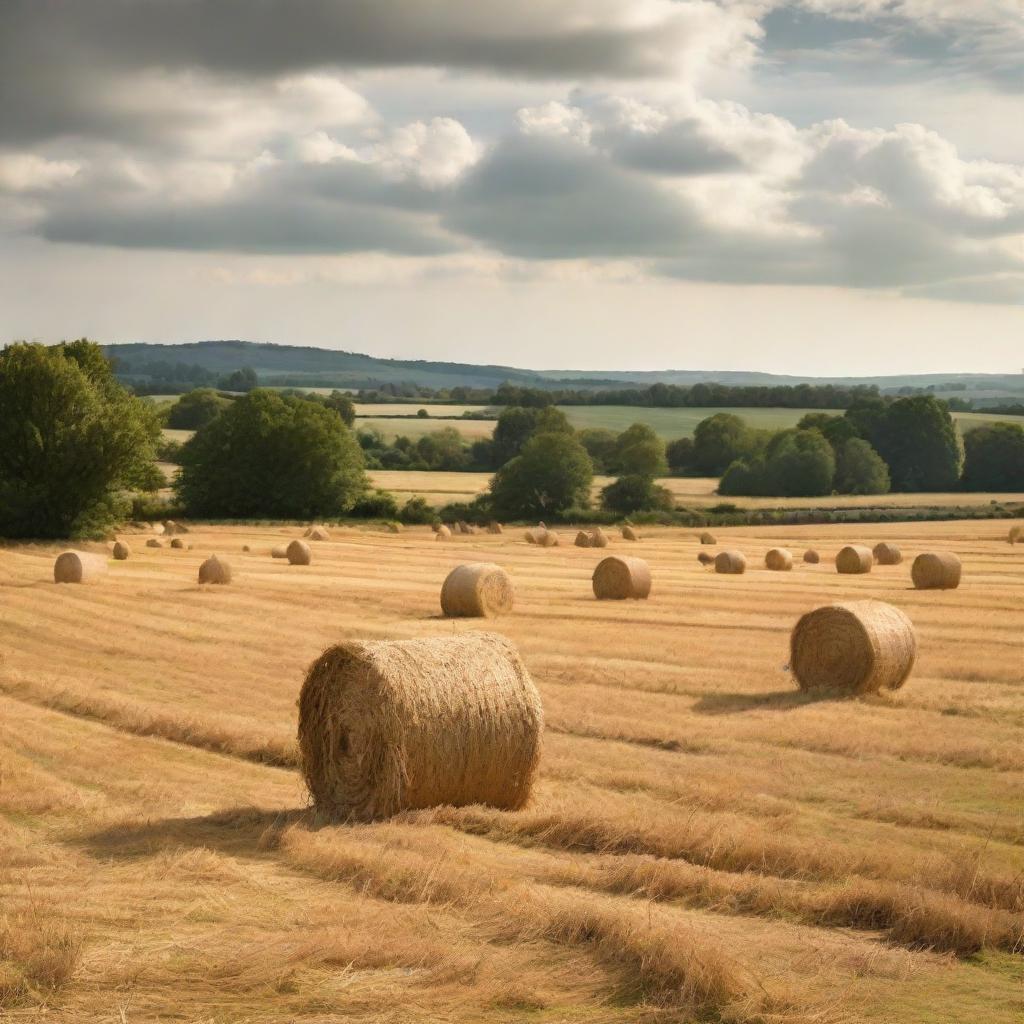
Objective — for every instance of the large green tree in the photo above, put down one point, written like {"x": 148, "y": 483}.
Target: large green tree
{"x": 553, "y": 473}
{"x": 718, "y": 441}
{"x": 72, "y": 439}
{"x": 196, "y": 409}
{"x": 801, "y": 465}
{"x": 272, "y": 455}
{"x": 860, "y": 469}
{"x": 639, "y": 451}
{"x": 919, "y": 441}
{"x": 994, "y": 459}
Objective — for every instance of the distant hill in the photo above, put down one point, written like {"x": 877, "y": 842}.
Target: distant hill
{"x": 301, "y": 366}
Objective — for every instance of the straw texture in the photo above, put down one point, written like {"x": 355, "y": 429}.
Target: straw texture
{"x": 477, "y": 589}
{"x": 279, "y": 551}
{"x": 618, "y": 577}
{"x": 854, "y": 647}
{"x": 731, "y": 563}
{"x": 386, "y": 726}
{"x": 582, "y": 539}
{"x": 215, "y": 570}
{"x": 298, "y": 553}
{"x": 779, "y": 560}
{"x": 598, "y": 538}
{"x": 854, "y": 560}
{"x": 78, "y": 567}
{"x": 936, "y": 570}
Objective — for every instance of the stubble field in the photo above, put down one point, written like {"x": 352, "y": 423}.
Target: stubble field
{"x": 704, "y": 843}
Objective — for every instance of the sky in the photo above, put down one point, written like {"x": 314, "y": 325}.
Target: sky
{"x": 795, "y": 186}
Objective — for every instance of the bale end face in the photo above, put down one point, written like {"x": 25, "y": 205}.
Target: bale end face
{"x": 730, "y": 563}
{"x": 705, "y": 559}
{"x": 78, "y": 567}
{"x": 477, "y": 589}
{"x": 319, "y": 533}
{"x": 121, "y": 551}
{"x": 854, "y": 560}
{"x": 707, "y": 538}
{"x": 887, "y": 554}
{"x": 778, "y": 560}
{"x": 298, "y": 553}
{"x": 215, "y": 570}
{"x": 387, "y": 726}
{"x": 548, "y": 539}
{"x": 582, "y": 539}
{"x": 598, "y": 538}
{"x": 619, "y": 577}
{"x": 630, "y": 533}
{"x": 936, "y": 570}
{"x": 811, "y": 557}
{"x": 178, "y": 544}
{"x": 853, "y": 648}
{"x": 1016, "y": 532}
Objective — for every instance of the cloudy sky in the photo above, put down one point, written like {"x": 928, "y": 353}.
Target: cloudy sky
{"x": 824, "y": 186}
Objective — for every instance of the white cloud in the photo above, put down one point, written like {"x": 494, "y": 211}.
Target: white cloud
{"x": 29, "y": 172}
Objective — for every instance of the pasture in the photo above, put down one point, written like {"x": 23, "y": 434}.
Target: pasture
{"x": 704, "y": 842}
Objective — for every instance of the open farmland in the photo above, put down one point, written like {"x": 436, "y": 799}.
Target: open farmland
{"x": 704, "y": 843}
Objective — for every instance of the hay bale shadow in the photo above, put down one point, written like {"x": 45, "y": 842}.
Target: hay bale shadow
{"x": 737, "y": 703}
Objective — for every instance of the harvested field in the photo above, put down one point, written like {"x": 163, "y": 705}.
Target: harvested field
{"x": 705, "y": 841}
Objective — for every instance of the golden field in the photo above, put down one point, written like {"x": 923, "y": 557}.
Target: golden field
{"x": 704, "y": 844}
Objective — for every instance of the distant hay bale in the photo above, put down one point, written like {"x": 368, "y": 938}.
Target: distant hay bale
{"x": 246, "y": 548}
{"x": 731, "y": 563}
{"x": 811, "y": 557}
{"x": 394, "y": 527}
{"x": 854, "y": 647}
{"x": 778, "y": 560}
{"x": 463, "y": 527}
{"x": 936, "y": 570}
{"x": 630, "y": 533}
{"x": 387, "y": 726}
{"x": 298, "y": 553}
{"x": 708, "y": 538}
{"x": 1015, "y": 534}
{"x": 598, "y": 538}
{"x": 319, "y": 533}
{"x": 154, "y": 542}
{"x": 530, "y": 536}
{"x": 121, "y": 551}
{"x": 442, "y": 532}
{"x": 495, "y": 528}
{"x": 78, "y": 567}
{"x": 705, "y": 559}
{"x": 887, "y": 554}
{"x": 477, "y": 589}
{"x": 854, "y": 560}
{"x": 157, "y": 528}
{"x": 170, "y": 527}
{"x": 279, "y": 551}
{"x": 618, "y": 577}
{"x": 215, "y": 570}
{"x": 548, "y": 539}
{"x": 178, "y": 543}
{"x": 582, "y": 539}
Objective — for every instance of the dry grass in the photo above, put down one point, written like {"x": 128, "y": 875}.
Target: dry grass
{"x": 705, "y": 842}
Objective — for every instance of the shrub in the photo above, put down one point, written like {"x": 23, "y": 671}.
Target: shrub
{"x": 639, "y": 452}
{"x": 376, "y": 505}
{"x": 416, "y": 512}
{"x": 274, "y": 456}
{"x": 680, "y": 455}
{"x": 719, "y": 440}
{"x": 636, "y": 493}
{"x": 196, "y": 409}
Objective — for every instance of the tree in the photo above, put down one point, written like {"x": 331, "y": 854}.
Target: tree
{"x": 860, "y": 469}
{"x": 71, "y": 439}
{"x": 994, "y": 458}
{"x": 743, "y": 479}
{"x": 919, "y": 441}
{"x": 196, "y": 409}
{"x": 343, "y": 406}
{"x": 272, "y": 455}
{"x": 600, "y": 445}
{"x": 718, "y": 441}
{"x": 238, "y": 380}
{"x": 680, "y": 455}
{"x": 514, "y": 428}
{"x": 553, "y": 473}
{"x": 636, "y": 493}
{"x": 836, "y": 429}
{"x": 801, "y": 465}
{"x": 639, "y": 452}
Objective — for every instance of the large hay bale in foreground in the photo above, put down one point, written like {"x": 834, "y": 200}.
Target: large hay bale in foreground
{"x": 178, "y": 543}
{"x": 495, "y": 528}
{"x": 154, "y": 542}
{"x": 387, "y": 726}
{"x": 811, "y": 557}
{"x": 215, "y": 570}
{"x": 618, "y": 577}
{"x": 279, "y": 551}
{"x": 477, "y": 589}
{"x": 936, "y": 570}
{"x": 78, "y": 567}
{"x": 707, "y": 538}
{"x": 598, "y": 538}
{"x": 630, "y": 533}
{"x": 298, "y": 553}
{"x": 853, "y": 647}
{"x": 319, "y": 533}
{"x": 887, "y": 554}
{"x": 582, "y": 539}
{"x": 731, "y": 563}
{"x": 121, "y": 551}
{"x": 778, "y": 560}
{"x": 854, "y": 560}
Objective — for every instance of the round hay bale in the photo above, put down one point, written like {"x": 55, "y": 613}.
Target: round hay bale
{"x": 936, "y": 570}
{"x": 548, "y": 539}
{"x": 279, "y": 551}
{"x": 530, "y": 536}
{"x": 157, "y": 528}
{"x": 394, "y": 527}
{"x": 495, "y": 528}
{"x": 154, "y": 542}
{"x": 887, "y": 554}
{"x": 477, "y": 589}
{"x": 731, "y": 563}
{"x": 387, "y": 726}
{"x": 854, "y": 647}
{"x": 319, "y": 533}
{"x": 582, "y": 539}
{"x": 630, "y": 533}
{"x": 246, "y": 549}
{"x": 854, "y": 560}
{"x": 298, "y": 553}
{"x": 178, "y": 543}
{"x": 442, "y": 533}
{"x": 778, "y": 560}
{"x": 811, "y": 557}
{"x": 121, "y": 551}
{"x": 619, "y": 576}
{"x": 170, "y": 527}
{"x": 705, "y": 559}
{"x": 78, "y": 567}
{"x": 1015, "y": 534}
{"x": 215, "y": 570}
{"x": 463, "y": 527}
{"x": 708, "y": 538}
{"x": 598, "y": 538}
